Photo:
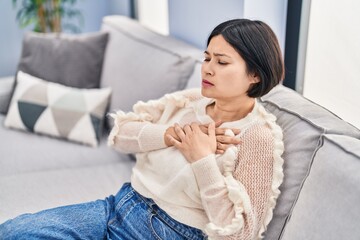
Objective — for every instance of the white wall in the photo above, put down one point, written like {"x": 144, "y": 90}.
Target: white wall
{"x": 272, "y": 12}
{"x": 154, "y": 14}
{"x": 192, "y": 21}
{"x": 332, "y": 67}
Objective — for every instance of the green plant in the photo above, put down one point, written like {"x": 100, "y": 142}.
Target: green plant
{"x": 48, "y": 15}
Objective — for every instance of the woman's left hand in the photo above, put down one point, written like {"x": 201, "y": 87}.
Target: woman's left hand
{"x": 194, "y": 144}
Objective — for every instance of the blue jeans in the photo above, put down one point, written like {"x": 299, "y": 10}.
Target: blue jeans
{"x": 127, "y": 215}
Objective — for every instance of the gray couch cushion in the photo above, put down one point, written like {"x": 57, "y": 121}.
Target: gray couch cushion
{"x": 195, "y": 78}
{"x": 303, "y": 123}
{"x": 72, "y": 60}
{"x": 328, "y": 205}
{"x": 23, "y": 152}
{"x": 39, "y": 190}
{"x": 142, "y": 65}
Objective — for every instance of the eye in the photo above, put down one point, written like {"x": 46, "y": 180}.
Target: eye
{"x": 222, "y": 63}
{"x": 206, "y": 59}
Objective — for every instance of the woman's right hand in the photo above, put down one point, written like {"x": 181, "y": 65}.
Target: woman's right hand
{"x": 222, "y": 141}
{"x": 170, "y": 131}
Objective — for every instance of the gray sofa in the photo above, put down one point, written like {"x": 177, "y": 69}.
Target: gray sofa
{"x": 321, "y": 190}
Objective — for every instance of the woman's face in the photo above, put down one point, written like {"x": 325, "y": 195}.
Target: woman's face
{"x": 223, "y": 71}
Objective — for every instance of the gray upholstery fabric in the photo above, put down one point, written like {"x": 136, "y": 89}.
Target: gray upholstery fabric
{"x": 303, "y": 123}
{"x": 71, "y": 60}
{"x": 39, "y": 172}
{"x": 39, "y": 190}
{"x": 289, "y": 101}
{"x": 195, "y": 78}
{"x": 143, "y": 65}
{"x": 6, "y": 87}
{"x": 328, "y": 205}
{"x": 23, "y": 152}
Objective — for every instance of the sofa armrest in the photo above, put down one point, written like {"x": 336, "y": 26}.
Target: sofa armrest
{"x": 6, "y": 87}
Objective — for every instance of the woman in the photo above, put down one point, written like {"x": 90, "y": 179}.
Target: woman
{"x": 208, "y": 165}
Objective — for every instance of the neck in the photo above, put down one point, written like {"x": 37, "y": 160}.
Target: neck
{"x": 228, "y": 111}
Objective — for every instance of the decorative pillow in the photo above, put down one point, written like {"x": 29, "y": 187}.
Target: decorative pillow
{"x": 71, "y": 60}
{"x": 56, "y": 110}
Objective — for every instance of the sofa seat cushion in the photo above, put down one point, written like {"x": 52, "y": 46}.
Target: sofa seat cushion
{"x": 328, "y": 205}
{"x": 36, "y": 191}
{"x": 23, "y": 152}
{"x": 303, "y": 124}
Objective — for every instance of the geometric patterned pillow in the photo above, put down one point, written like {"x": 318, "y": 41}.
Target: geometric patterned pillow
{"x": 56, "y": 110}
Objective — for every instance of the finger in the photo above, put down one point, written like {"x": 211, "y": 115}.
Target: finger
{"x": 187, "y": 129}
{"x": 219, "y": 151}
{"x": 218, "y": 123}
{"x": 211, "y": 129}
{"x": 220, "y": 146}
{"x": 179, "y": 131}
{"x": 203, "y": 128}
{"x": 227, "y": 140}
{"x": 195, "y": 127}
{"x": 173, "y": 141}
{"x": 221, "y": 131}
{"x": 236, "y": 131}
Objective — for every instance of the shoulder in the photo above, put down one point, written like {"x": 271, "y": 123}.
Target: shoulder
{"x": 262, "y": 136}
{"x": 259, "y": 131}
{"x": 179, "y": 98}
{"x": 192, "y": 94}
{"x": 266, "y": 125}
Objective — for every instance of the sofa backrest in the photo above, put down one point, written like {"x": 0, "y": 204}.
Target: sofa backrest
{"x": 140, "y": 64}
{"x": 328, "y": 204}
{"x": 304, "y": 123}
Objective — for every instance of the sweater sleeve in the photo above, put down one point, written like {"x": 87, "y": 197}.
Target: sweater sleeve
{"x": 143, "y": 129}
{"x": 240, "y": 201}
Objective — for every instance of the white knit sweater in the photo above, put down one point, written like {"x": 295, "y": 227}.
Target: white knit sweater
{"x": 229, "y": 196}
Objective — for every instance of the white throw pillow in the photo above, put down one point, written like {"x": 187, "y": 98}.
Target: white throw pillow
{"x": 56, "y": 110}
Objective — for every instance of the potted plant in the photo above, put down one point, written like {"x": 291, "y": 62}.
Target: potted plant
{"x": 48, "y": 15}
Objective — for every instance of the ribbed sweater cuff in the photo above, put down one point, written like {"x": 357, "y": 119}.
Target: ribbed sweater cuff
{"x": 207, "y": 172}
{"x": 151, "y": 137}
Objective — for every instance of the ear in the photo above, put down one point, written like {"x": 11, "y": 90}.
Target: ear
{"x": 254, "y": 78}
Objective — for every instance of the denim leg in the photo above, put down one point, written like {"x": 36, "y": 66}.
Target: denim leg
{"x": 80, "y": 221}
{"x": 126, "y": 216}
{"x": 136, "y": 217}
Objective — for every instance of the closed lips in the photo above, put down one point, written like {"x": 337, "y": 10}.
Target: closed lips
{"x": 207, "y": 82}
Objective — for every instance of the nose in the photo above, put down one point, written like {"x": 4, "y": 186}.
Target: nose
{"x": 207, "y": 69}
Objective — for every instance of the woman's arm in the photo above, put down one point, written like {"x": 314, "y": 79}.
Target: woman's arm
{"x": 143, "y": 129}
{"x": 239, "y": 202}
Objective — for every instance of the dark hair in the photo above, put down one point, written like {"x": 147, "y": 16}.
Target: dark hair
{"x": 258, "y": 46}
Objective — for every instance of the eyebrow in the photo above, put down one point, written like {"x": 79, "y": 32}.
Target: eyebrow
{"x": 217, "y": 54}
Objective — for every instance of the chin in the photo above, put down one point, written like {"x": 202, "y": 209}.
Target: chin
{"x": 204, "y": 92}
